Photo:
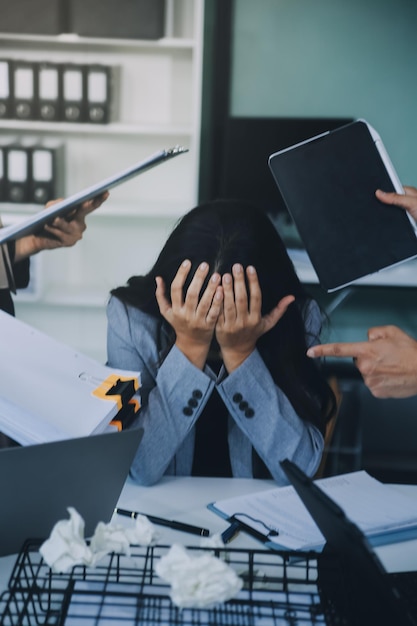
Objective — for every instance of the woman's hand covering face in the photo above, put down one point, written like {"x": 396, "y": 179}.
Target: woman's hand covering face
{"x": 225, "y": 310}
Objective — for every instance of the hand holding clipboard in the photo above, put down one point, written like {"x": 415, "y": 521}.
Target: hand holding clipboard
{"x": 35, "y": 223}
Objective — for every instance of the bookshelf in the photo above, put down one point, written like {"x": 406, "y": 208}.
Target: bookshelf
{"x": 159, "y": 106}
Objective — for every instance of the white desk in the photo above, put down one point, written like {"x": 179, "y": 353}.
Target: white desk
{"x": 185, "y": 499}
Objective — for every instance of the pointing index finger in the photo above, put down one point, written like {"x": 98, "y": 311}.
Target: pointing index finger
{"x": 351, "y": 350}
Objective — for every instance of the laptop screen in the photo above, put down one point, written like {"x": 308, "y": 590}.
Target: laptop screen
{"x": 39, "y": 482}
{"x": 351, "y": 576}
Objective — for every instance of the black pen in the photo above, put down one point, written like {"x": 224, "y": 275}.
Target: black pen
{"x": 160, "y": 521}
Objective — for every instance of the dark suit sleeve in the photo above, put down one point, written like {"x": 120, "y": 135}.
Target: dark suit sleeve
{"x": 21, "y": 275}
{"x": 21, "y": 270}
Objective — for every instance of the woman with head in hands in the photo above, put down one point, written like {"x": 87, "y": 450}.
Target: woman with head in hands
{"x": 219, "y": 329}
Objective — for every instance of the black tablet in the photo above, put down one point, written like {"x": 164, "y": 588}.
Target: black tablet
{"x": 328, "y": 184}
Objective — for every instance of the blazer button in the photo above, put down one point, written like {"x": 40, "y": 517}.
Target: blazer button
{"x": 197, "y": 393}
{"x": 237, "y": 398}
{"x": 193, "y": 403}
{"x": 187, "y": 411}
{"x": 243, "y": 405}
{"x": 249, "y": 413}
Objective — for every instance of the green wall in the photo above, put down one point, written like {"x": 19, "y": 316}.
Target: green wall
{"x": 347, "y": 58}
{"x": 341, "y": 58}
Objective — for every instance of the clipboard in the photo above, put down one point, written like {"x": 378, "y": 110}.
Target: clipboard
{"x": 328, "y": 184}
{"x": 34, "y": 223}
{"x": 278, "y": 518}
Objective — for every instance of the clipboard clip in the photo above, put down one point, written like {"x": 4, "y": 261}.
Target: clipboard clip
{"x": 126, "y": 415}
{"x": 121, "y": 390}
{"x": 117, "y": 388}
{"x": 270, "y": 531}
{"x": 124, "y": 388}
{"x": 176, "y": 150}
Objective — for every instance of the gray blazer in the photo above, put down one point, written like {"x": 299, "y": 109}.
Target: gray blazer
{"x": 174, "y": 393}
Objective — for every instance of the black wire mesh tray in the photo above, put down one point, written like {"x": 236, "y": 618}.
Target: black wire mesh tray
{"x": 280, "y": 588}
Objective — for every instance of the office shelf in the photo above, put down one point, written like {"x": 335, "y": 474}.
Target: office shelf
{"x": 158, "y": 106}
{"x": 115, "y": 128}
{"x": 73, "y": 41}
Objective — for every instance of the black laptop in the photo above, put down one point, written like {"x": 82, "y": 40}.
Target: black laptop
{"x": 38, "y": 483}
{"x": 351, "y": 577}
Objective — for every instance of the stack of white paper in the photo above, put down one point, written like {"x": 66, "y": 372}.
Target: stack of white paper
{"x": 47, "y": 388}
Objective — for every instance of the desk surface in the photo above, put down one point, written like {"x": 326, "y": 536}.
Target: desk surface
{"x": 185, "y": 499}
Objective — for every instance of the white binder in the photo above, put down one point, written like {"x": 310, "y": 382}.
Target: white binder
{"x": 48, "y": 390}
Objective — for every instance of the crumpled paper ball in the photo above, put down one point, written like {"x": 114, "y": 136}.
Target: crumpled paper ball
{"x": 197, "y": 581}
{"x": 116, "y": 538}
{"x": 66, "y": 546}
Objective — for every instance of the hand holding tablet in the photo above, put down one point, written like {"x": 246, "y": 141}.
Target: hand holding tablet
{"x": 328, "y": 184}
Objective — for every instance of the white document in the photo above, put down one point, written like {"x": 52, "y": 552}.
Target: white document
{"x": 377, "y": 509}
{"x": 47, "y": 388}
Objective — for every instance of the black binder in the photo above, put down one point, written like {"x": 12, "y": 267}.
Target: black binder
{"x": 43, "y": 174}
{"x": 5, "y": 144}
{"x": 132, "y": 19}
{"x": 73, "y": 93}
{"x": 2, "y": 174}
{"x": 6, "y": 89}
{"x": 49, "y": 92}
{"x": 18, "y": 174}
{"x": 24, "y": 90}
{"x": 41, "y": 17}
{"x": 328, "y": 184}
{"x": 99, "y": 93}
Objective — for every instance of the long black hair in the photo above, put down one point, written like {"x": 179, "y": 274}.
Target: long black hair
{"x": 225, "y": 232}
